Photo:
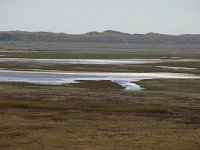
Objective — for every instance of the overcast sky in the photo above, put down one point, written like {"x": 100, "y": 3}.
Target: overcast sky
{"x": 81, "y": 16}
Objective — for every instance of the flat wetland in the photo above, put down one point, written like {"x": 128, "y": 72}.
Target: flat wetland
{"x": 100, "y": 115}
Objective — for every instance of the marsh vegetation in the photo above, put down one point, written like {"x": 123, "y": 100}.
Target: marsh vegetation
{"x": 96, "y": 115}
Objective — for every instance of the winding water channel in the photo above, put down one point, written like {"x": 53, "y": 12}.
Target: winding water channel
{"x": 127, "y": 80}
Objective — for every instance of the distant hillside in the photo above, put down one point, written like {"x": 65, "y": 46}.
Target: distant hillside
{"x": 108, "y": 36}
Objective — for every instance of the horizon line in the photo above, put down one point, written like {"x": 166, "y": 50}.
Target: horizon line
{"x": 42, "y": 31}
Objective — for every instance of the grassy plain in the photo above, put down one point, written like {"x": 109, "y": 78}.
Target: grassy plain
{"x": 96, "y": 51}
{"x": 166, "y": 115}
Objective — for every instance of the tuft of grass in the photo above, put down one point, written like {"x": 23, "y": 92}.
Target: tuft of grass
{"x": 192, "y": 121}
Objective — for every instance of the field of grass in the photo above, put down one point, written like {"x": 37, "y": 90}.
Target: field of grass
{"x": 99, "y": 51}
{"x": 96, "y": 51}
{"x": 63, "y": 117}
{"x": 100, "y": 115}
{"x": 103, "y": 68}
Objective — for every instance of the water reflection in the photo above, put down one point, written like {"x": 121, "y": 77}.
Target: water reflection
{"x": 95, "y": 61}
{"x": 124, "y": 79}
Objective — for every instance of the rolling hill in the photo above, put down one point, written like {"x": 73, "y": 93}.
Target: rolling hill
{"x": 108, "y": 36}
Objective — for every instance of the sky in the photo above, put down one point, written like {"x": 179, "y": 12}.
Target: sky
{"x": 82, "y": 16}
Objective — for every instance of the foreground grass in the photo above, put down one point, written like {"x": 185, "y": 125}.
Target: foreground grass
{"x": 165, "y": 116}
{"x": 88, "y": 107}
